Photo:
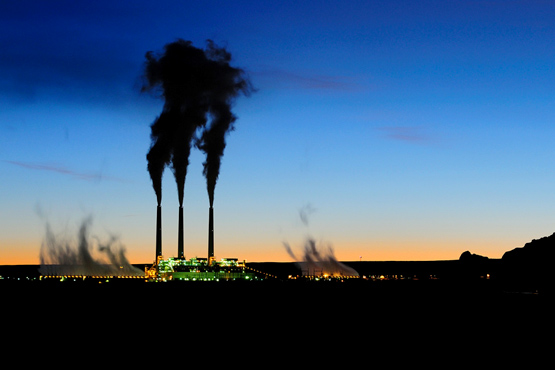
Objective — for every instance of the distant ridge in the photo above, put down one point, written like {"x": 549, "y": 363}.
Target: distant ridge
{"x": 532, "y": 264}
{"x": 537, "y": 251}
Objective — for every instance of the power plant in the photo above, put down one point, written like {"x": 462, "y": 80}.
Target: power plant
{"x": 196, "y": 84}
{"x": 197, "y": 268}
{"x": 60, "y": 261}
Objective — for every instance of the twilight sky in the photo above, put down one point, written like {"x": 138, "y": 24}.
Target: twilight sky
{"x": 404, "y": 130}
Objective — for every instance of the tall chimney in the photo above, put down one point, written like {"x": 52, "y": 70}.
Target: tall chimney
{"x": 180, "y": 236}
{"x": 211, "y": 236}
{"x": 159, "y": 233}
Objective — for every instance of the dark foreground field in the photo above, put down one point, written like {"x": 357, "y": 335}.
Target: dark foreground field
{"x": 452, "y": 295}
{"x": 275, "y": 321}
{"x": 351, "y": 301}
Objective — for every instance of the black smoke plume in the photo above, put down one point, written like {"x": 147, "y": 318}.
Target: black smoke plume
{"x": 194, "y": 83}
{"x": 229, "y": 82}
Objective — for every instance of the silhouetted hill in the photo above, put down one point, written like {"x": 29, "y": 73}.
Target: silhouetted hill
{"x": 537, "y": 251}
{"x": 472, "y": 258}
{"x": 472, "y": 266}
{"x": 531, "y": 266}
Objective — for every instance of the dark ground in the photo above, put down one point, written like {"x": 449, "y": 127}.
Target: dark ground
{"x": 457, "y": 294}
{"x": 285, "y": 322}
{"x": 276, "y": 323}
{"x": 461, "y": 299}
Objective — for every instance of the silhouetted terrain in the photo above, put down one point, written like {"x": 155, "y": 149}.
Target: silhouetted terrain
{"x": 531, "y": 266}
{"x": 472, "y": 292}
{"x": 274, "y": 313}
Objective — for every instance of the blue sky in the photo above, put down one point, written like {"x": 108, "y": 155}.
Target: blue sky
{"x": 411, "y": 130}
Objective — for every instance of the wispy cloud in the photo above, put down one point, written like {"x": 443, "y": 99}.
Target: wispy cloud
{"x": 308, "y": 81}
{"x": 87, "y": 176}
{"x": 412, "y": 134}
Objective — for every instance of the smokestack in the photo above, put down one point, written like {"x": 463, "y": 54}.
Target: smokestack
{"x": 159, "y": 233}
{"x": 180, "y": 236}
{"x": 211, "y": 236}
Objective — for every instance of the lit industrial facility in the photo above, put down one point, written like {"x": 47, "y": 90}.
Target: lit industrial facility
{"x": 199, "y": 269}
{"x": 195, "y": 269}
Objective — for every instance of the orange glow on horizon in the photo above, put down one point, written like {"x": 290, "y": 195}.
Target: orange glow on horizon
{"x": 20, "y": 253}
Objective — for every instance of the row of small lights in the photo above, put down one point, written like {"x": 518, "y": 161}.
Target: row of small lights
{"x": 92, "y": 277}
{"x": 261, "y": 272}
{"x": 205, "y": 279}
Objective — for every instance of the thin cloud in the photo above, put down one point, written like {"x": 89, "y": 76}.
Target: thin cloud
{"x": 409, "y": 134}
{"x": 308, "y": 81}
{"x": 95, "y": 176}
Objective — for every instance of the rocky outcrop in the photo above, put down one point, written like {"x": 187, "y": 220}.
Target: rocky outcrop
{"x": 473, "y": 266}
{"x": 532, "y": 264}
{"x": 470, "y": 257}
{"x": 536, "y": 251}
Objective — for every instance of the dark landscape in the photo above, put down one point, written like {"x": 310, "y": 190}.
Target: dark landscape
{"x": 472, "y": 280}
{"x": 419, "y": 303}
{"x": 525, "y": 270}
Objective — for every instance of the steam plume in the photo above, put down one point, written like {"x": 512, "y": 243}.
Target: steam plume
{"x": 59, "y": 256}
{"x": 314, "y": 260}
{"x": 305, "y": 212}
{"x": 317, "y": 262}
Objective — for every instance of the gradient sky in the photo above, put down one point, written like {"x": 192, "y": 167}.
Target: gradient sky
{"x": 405, "y": 130}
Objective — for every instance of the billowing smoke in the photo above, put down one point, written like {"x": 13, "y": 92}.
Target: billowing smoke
{"x": 194, "y": 83}
{"x": 315, "y": 260}
{"x": 61, "y": 256}
{"x": 305, "y": 212}
{"x": 229, "y": 83}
